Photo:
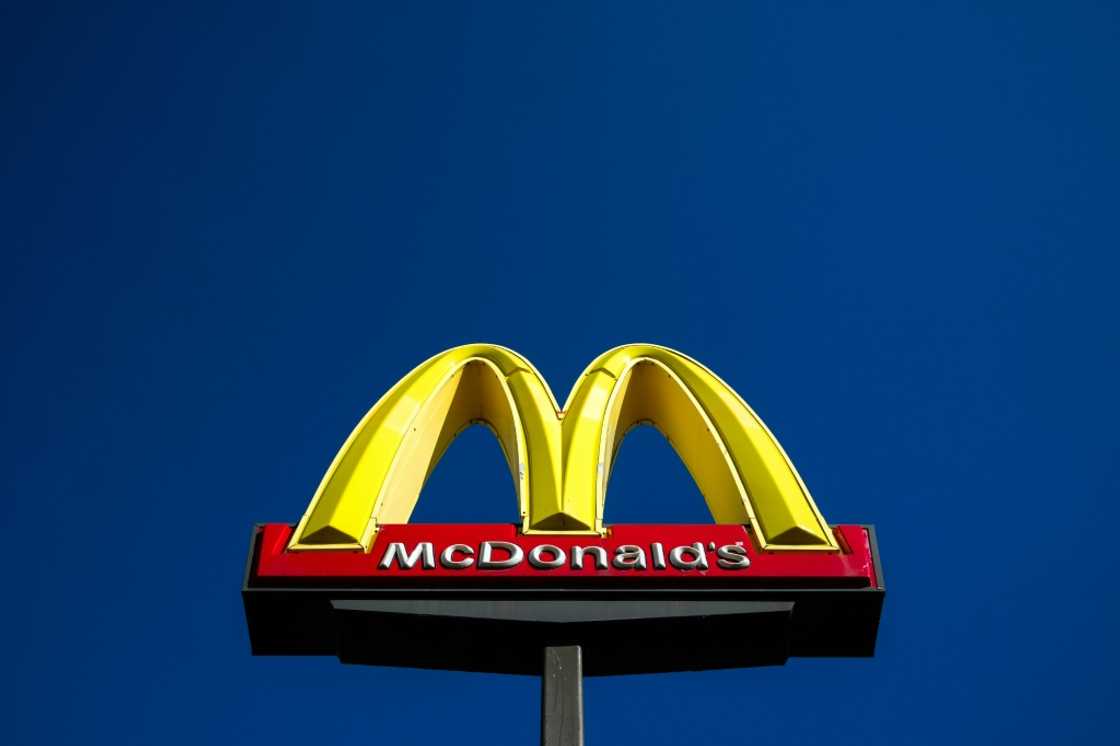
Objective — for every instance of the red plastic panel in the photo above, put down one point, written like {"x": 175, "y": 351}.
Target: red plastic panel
{"x": 415, "y": 553}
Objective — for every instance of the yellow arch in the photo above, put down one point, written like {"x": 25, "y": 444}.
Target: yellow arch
{"x": 561, "y": 459}
{"x": 737, "y": 463}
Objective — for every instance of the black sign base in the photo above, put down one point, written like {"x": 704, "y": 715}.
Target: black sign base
{"x": 620, "y": 631}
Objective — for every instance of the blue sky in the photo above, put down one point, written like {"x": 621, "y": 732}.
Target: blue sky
{"x": 892, "y": 227}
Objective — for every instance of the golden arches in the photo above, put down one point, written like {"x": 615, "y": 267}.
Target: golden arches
{"x": 561, "y": 459}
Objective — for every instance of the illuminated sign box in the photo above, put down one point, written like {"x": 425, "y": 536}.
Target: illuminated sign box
{"x": 771, "y": 579}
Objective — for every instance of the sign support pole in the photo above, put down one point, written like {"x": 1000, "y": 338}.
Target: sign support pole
{"x": 562, "y": 696}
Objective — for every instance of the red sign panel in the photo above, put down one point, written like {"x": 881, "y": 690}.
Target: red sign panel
{"x": 496, "y": 553}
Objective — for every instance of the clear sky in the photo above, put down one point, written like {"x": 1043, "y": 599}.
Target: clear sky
{"x": 892, "y": 227}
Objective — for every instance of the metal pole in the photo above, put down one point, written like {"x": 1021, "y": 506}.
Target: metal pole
{"x": 562, "y": 697}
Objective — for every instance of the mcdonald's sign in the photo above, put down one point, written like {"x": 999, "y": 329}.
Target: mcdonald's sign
{"x": 769, "y": 578}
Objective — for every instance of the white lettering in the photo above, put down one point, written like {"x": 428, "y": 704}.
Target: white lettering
{"x": 733, "y": 557}
{"x": 447, "y": 557}
{"x": 699, "y": 559}
{"x": 630, "y": 557}
{"x": 537, "y": 561}
{"x": 487, "y": 562}
{"x": 504, "y": 555}
{"x": 405, "y": 560}
{"x": 600, "y": 554}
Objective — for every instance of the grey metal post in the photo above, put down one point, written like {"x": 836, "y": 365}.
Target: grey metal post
{"x": 562, "y": 697}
